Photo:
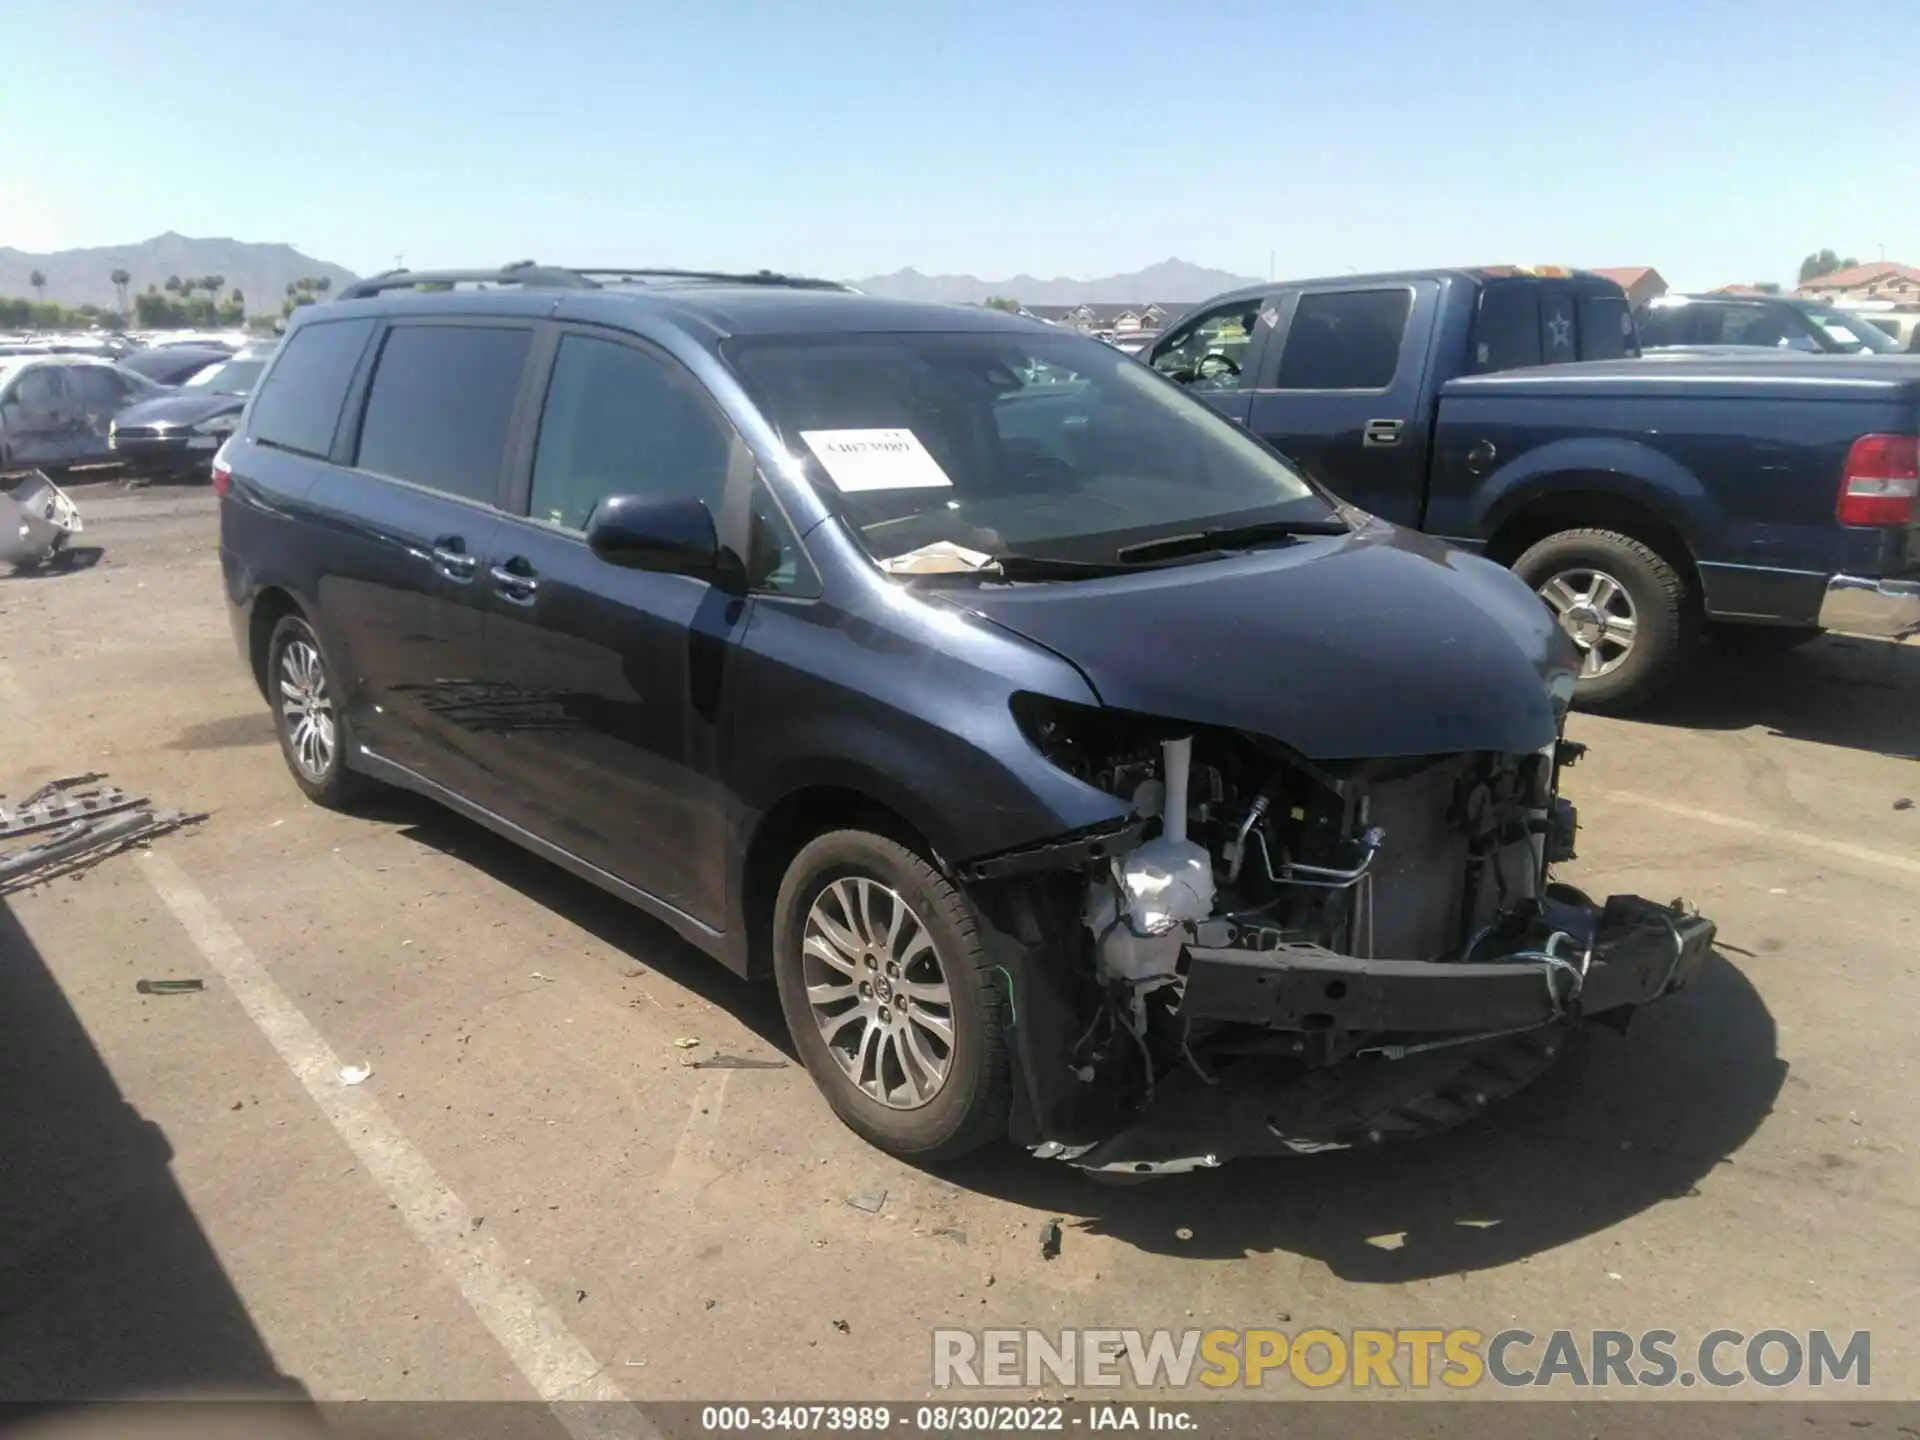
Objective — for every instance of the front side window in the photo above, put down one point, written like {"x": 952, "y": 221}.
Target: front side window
{"x": 440, "y": 404}
{"x": 619, "y": 421}
{"x": 298, "y": 408}
{"x": 1213, "y": 351}
{"x": 39, "y": 389}
{"x": 96, "y": 387}
{"x": 921, "y": 438}
{"x": 1345, "y": 340}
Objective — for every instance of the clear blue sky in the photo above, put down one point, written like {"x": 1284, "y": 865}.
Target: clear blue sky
{"x": 1717, "y": 141}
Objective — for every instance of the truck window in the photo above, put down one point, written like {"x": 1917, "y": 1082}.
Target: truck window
{"x": 1606, "y": 327}
{"x": 1345, "y": 340}
{"x": 1506, "y": 332}
{"x": 1212, "y": 350}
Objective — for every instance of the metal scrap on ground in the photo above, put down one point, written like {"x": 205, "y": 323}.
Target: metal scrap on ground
{"x": 81, "y": 827}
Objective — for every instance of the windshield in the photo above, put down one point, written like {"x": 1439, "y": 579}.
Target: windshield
{"x": 1034, "y": 444}
{"x": 228, "y": 377}
{"x": 1853, "y": 334}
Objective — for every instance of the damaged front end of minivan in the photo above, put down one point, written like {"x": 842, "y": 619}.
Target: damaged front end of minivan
{"x": 1271, "y": 954}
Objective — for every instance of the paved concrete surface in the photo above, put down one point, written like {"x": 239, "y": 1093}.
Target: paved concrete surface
{"x": 178, "y": 1207}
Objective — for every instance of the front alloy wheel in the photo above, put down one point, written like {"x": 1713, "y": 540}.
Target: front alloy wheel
{"x": 878, "y": 992}
{"x": 893, "y": 1001}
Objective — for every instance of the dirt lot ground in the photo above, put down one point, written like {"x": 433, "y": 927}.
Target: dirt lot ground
{"x": 535, "y": 1196}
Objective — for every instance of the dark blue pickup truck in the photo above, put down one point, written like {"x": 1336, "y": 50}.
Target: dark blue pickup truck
{"x": 1759, "y": 500}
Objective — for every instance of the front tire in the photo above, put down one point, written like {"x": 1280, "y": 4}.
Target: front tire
{"x": 1624, "y": 604}
{"x": 891, "y": 998}
{"x": 314, "y": 739}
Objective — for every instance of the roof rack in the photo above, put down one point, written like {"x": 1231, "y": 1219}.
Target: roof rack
{"x": 528, "y": 274}
{"x": 756, "y": 277}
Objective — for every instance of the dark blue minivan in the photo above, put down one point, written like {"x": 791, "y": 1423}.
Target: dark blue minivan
{"x": 1081, "y": 772}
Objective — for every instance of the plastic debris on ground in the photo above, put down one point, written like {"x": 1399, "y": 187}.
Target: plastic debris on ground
{"x": 78, "y": 823}
{"x": 868, "y": 1200}
{"x": 38, "y": 520}
{"x": 355, "y": 1074}
{"x": 170, "y": 987}
{"x": 722, "y": 1061}
{"x": 686, "y": 1042}
{"x": 1050, "y": 1240}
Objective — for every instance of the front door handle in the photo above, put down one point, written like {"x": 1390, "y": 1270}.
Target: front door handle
{"x": 1382, "y": 432}
{"x": 451, "y": 559}
{"x": 515, "y": 582}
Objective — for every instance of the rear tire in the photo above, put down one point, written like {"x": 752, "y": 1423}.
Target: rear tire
{"x": 1625, "y": 606}
{"x": 867, "y": 1024}
{"x": 314, "y": 738}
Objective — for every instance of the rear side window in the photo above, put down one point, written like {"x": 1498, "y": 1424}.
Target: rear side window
{"x": 299, "y": 406}
{"x": 1348, "y": 340}
{"x": 439, "y": 406}
{"x": 1521, "y": 324}
{"x": 1506, "y": 334}
{"x": 1606, "y": 327}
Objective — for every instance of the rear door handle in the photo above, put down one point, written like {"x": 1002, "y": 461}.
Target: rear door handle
{"x": 518, "y": 586}
{"x": 1382, "y": 432}
{"x": 451, "y": 559}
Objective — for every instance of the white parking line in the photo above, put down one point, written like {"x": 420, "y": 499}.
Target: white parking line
{"x": 694, "y": 1165}
{"x": 1769, "y": 832}
{"x": 559, "y": 1368}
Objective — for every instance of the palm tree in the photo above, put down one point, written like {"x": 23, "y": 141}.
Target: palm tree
{"x": 121, "y": 279}
{"x": 237, "y": 297}
{"x": 213, "y": 284}
{"x": 173, "y": 285}
{"x": 38, "y": 280}
{"x": 323, "y": 284}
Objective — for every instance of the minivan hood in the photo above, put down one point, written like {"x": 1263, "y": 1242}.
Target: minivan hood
{"x": 1380, "y": 643}
{"x": 182, "y": 407}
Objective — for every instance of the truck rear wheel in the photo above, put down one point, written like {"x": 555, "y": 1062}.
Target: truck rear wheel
{"x": 1624, "y": 605}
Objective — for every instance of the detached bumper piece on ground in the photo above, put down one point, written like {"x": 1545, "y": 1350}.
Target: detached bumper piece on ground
{"x": 75, "y": 828}
{"x": 1245, "y": 981}
{"x": 37, "y": 520}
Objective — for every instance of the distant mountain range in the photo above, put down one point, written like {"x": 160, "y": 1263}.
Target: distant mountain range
{"x": 261, "y": 272}
{"x": 1170, "y": 280}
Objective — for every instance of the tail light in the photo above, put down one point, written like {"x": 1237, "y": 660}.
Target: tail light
{"x": 1881, "y": 478}
{"x": 222, "y": 471}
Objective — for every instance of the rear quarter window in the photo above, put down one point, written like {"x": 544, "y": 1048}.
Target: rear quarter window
{"x": 298, "y": 408}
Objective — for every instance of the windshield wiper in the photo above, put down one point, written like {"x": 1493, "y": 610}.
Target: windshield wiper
{"x": 1228, "y": 537}
{"x": 1022, "y": 567}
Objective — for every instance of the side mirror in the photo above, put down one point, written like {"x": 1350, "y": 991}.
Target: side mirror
{"x": 674, "y": 537}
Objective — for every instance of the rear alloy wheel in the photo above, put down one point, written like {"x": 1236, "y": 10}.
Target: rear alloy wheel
{"x": 890, "y": 998}
{"x": 313, "y": 733}
{"x": 1623, "y": 605}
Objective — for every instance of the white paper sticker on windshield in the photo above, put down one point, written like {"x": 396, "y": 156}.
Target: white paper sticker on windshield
{"x": 876, "y": 460}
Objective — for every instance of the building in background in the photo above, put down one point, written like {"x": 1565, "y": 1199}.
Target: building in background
{"x": 1641, "y": 282}
{"x": 1878, "y": 280}
{"x": 1111, "y": 319}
